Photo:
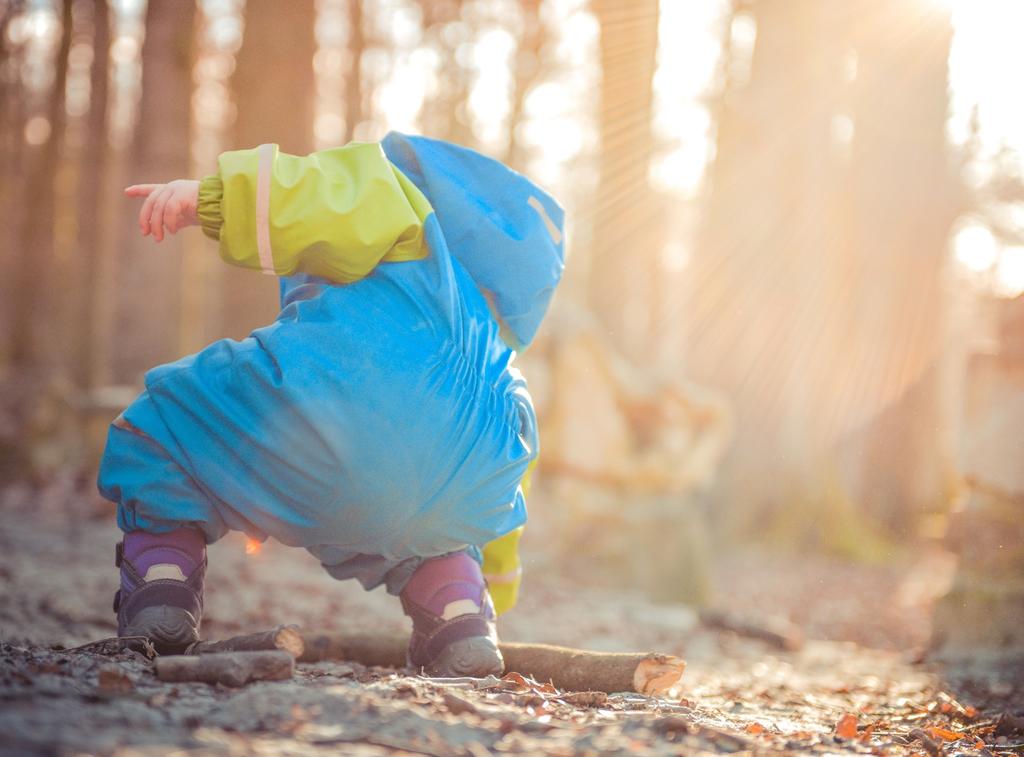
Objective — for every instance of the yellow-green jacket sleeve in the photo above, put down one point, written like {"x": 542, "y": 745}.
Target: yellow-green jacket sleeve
{"x": 335, "y": 213}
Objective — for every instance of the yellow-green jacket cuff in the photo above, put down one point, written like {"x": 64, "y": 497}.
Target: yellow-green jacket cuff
{"x": 211, "y": 191}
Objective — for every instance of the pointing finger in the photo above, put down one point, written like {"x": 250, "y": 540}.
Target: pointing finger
{"x": 140, "y": 190}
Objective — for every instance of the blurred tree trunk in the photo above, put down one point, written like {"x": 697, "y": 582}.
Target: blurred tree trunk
{"x": 275, "y": 87}
{"x": 92, "y": 183}
{"x": 32, "y": 329}
{"x": 814, "y": 298}
{"x": 762, "y": 282}
{"x": 527, "y": 71}
{"x": 446, "y": 114}
{"x": 12, "y": 151}
{"x": 905, "y": 195}
{"x": 628, "y": 215}
{"x": 149, "y": 274}
{"x": 354, "y": 83}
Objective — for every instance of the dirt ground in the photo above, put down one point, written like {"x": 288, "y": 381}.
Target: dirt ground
{"x": 858, "y": 685}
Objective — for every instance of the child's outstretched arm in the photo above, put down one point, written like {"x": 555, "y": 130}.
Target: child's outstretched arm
{"x": 336, "y": 213}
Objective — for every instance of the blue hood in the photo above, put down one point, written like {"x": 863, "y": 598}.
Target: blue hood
{"x": 501, "y": 227}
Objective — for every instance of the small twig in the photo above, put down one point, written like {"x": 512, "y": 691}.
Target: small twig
{"x": 287, "y": 638}
{"x": 228, "y": 668}
{"x": 927, "y": 742}
{"x": 463, "y": 683}
{"x": 97, "y": 647}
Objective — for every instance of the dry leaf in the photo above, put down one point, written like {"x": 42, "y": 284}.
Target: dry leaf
{"x": 517, "y": 679}
{"x": 113, "y": 680}
{"x": 846, "y": 728}
{"x": 458, "y": 706}
{"x": 943, "y": 733}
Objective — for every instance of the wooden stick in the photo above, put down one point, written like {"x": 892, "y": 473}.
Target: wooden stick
{"x": 287, "y": 638}
{"x": 567, "y": 669}
{"x": 382, "y": 650}
{"x": 227, "y": 668}
{"x": 580, "y": 670}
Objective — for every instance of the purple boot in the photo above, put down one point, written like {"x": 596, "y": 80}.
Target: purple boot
{"x": 453, "y": 628}
{"x": 161, "y": 594}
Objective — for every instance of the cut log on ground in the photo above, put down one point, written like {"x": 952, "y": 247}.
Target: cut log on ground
{"x": 382, "y": 650}
{"x": 285, "y": 638}
{"x": 580, "y": 670}
{"x": 228, "y": 668}
{"x": 567, "y": 669}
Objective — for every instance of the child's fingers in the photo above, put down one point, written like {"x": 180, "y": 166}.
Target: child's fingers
{"x": 147, "y": 209}
{"x": 140, "y": 190}
{"x": 156, "y": 215}
{"x": 172, "y": 214}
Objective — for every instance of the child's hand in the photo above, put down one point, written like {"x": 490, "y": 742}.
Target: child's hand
{"x": 171, "y": 206}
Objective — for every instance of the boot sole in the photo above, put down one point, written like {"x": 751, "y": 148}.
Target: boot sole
{"x": 170, "y": 629}
{"x": 476, "y": 657}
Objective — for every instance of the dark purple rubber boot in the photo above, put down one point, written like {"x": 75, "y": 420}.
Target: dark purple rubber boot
{"x": 453, "y": 628}
{"x": 161, "y": 594}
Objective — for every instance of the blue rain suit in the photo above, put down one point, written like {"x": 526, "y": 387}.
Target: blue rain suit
{"x": 374, "y": 422}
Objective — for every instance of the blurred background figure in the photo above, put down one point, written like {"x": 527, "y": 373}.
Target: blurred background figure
{"x": 792, "y": 315}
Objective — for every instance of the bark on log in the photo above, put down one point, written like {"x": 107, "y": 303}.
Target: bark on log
{"x": 228, "y": 668}
{"x": 567, "y": 669}
{"x": 286, "y": 638}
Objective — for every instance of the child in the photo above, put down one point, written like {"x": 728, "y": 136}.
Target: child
{"x": 378, "y": 422}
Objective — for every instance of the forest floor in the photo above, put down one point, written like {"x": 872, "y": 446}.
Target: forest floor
{"x": 858, "y": 684}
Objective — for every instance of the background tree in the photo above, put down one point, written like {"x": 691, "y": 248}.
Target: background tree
{"x": 92, "y": 177}
{"x": 12, "y": 125}
{"x": 815, "y": 295}
{"x": 355, "y": 107}
{"x": 445, "y": 112}
{"x": 32, "y": 330}
{"x": 148, "y": 275}
{"x": 274, "y": 87}
{"x": 899, "y": 228}
{"x": 627, "y": 214}
{"x": 528, "y": 70}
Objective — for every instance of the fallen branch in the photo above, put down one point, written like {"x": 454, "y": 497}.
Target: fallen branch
{"x": 776, "y": 632}
{"x": 227, "y": 668}
{"x": 382, "y": 650}
{"x": 286, "y": 638}
{"x": 579, "y": 670}
{"x": 568, "y": 669}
